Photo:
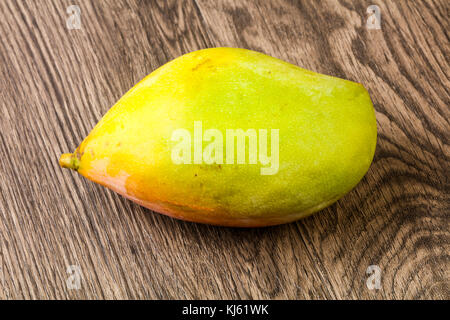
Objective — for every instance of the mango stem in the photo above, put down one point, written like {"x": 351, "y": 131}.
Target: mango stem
{"x": 69, "y": 161}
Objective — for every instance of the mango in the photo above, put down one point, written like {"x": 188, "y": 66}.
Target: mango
{"x": 232, "y": 137}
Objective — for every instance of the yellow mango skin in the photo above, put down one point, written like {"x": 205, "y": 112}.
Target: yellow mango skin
{"x": 327, "y": 137}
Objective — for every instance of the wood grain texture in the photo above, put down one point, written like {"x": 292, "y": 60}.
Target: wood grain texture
{"x": 55, "y": 84}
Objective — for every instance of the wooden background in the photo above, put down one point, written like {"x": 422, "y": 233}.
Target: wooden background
{"x": 55, "y": 84}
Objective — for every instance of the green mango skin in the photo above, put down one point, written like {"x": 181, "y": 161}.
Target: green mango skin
{"x": 327, "y": 138}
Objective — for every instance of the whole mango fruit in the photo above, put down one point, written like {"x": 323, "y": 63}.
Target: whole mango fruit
{"x": 232, "y": 137}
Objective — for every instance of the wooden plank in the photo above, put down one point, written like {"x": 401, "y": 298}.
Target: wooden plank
{"x": 56, "y": 83}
